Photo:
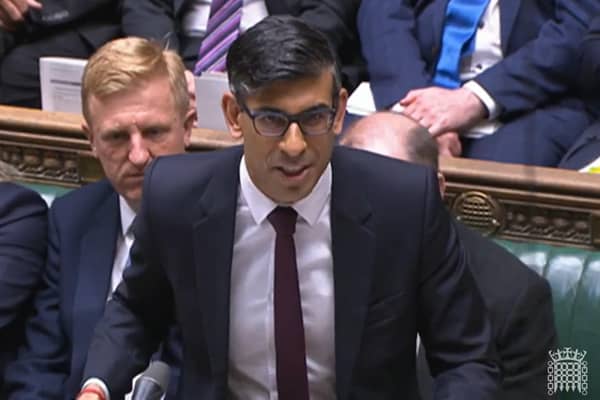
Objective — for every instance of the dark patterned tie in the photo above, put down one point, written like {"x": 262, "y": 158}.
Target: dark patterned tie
{"x": 222, "y": 29}
{"x": 290, "y": 347}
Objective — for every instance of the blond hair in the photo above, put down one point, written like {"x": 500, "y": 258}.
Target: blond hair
{"x": 124, "y": 63}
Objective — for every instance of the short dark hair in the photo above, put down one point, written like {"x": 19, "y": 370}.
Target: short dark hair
{"x": 279, "y": 48}
{"x": 421, "y": 148}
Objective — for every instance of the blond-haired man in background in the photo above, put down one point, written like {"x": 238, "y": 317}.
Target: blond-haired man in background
{"x": 136, "y": 108}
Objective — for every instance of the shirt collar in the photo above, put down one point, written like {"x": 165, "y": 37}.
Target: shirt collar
{"x": 127, "y": 216}
{"x": 309, "y": 208}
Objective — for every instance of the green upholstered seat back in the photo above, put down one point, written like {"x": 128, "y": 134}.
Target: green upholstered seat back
{"x": 574, "y": 276}
{"x": 48, "y": 192}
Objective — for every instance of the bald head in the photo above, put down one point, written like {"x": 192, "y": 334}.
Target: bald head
{"x": 393, "y": 135}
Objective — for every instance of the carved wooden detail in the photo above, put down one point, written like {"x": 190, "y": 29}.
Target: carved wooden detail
{"x": 479, "y": 210}
{"x": 525, "y": 203}
{"x": 510, "y": 201}
{"x": 51, "y": 148}
{"x": 525, "y": 221}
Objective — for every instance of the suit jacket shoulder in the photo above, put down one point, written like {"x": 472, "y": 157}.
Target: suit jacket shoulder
{"x": 77, "y": 205}
{"x": 520, "y": 304}
{"x": 23, "y": 235}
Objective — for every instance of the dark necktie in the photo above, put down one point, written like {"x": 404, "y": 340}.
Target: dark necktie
{"x": 462, "y": 20}
{"x": 222, "y": 29}
{"x": 290, "y": 347}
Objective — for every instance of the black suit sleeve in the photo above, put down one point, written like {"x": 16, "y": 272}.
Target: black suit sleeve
{"x": 151, "y": 19}
{"x": 527, "y": 337}
{"x": 453, "y": 323}
{"x": 589, "y": 78}
{"x": 23, "y": 235}
{"x": 335, "y": 18}
{"x": 387, "y": 31}
{"x": 43, "y": 363}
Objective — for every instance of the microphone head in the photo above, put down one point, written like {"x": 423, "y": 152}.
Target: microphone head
{"x": 159, "y": 372}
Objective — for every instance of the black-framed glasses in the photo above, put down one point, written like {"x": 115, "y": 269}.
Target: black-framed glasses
{"x": 313, "y": 122}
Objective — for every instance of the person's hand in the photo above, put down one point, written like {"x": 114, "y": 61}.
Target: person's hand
{"x": 12, "y": 12}
{"x": 91, "y": 391}
{"x": 89, "y": 396}
{"x": 449, "y": 144}
{"x": 443, "y": 110}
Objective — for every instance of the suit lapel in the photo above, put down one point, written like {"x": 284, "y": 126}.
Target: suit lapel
{"x": 508, "y": 15}
{"x": 94, "y": 273}
{"x": 437, "y": 24}
{"x": 353, "y": 256}
{"x": 214, "y": 225}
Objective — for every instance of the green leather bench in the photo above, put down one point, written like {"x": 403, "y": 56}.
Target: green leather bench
{"x": 574, "y": 275}
{"x": 48, "y": 192}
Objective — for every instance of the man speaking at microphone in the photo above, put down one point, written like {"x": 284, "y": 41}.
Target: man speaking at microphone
{"x": 295, "y": 269}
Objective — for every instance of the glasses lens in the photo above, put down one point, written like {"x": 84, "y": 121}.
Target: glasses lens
{"x": 316, "y": 122}
{"x": 270, "y": 124}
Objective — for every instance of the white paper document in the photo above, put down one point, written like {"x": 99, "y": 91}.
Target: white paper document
{"x": 60, "y": 83}
{"x": 361, "y": 100}
{"x": 210, "y": 88}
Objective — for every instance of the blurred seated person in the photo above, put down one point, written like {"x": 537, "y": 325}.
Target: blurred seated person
{"x": 585, "y": 153}
{"x": 23, "y": 234}
{"x": 183, "y": 24}
{"x": 490, "y": 79}
{"x": 518, "y": 299}
{"x": 30, "y": 29}
{"x": 136, "y": 108}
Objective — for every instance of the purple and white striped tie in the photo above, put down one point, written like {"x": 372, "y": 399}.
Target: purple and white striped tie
{"x": 223, "y": 28}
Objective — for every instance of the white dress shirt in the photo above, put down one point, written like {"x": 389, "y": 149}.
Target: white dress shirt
{"x": 195, "y": 17}
{"x": 252, "y": 372}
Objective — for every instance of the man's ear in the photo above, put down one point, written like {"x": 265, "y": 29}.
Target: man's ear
{"x": 88, "y": 132}
{"x": 188, "y": 123}
{"x": 441, "y": 184}
{"x": 232, "y": 113}
{"x": 338, "y": 123}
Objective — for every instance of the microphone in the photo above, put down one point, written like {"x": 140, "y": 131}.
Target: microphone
{"x": 153, "y": 382}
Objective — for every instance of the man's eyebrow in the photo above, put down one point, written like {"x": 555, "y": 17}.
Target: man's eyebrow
{"x": 113, "y": 131}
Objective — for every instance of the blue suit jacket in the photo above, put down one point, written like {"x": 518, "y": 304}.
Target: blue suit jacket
{"x": 23, "y": 234}
{"x": 83, "y": 230}
{"x": 397, "y": 265}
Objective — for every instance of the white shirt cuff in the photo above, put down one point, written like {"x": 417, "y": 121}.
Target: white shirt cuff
{"x": 100, "y": 384}
{"x": 490, "y": 104}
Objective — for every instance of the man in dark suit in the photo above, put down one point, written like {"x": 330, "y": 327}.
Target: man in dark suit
{"x": 518, "y": 299}
{"x": 511, "y": 98}
{"x": 326, "y": 307}
{"x": 23, "y": 234}
{"x": 173, "y": 21}
{"x": 30, "y": 29}
{"x": 136, "y": 108}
